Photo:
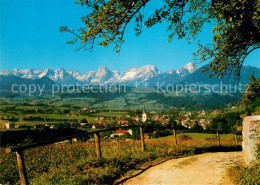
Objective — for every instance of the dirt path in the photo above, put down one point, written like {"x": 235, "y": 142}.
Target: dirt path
{"x": 203, "y": 169}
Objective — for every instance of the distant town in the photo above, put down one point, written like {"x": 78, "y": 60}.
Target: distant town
{"x": 199, "y": 120}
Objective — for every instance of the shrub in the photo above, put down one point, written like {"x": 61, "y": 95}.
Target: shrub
{"x": 185, "y": 137}
{"x": 245, "y": 175}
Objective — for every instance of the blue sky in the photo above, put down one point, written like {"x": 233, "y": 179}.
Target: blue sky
{"x": 30, "y": 38}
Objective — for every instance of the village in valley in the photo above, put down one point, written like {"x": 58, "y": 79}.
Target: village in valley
{"x": 130, "y": 92}
{"x": 198, "y": 120}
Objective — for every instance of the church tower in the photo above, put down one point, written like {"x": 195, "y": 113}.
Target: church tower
{"x": 144, "y": 116}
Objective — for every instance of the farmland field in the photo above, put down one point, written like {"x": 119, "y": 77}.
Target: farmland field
{"x": 133, "y": 98}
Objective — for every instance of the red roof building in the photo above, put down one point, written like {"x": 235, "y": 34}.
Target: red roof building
{"x": 121, "y": 131}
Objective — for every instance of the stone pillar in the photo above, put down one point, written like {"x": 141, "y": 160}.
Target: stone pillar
{"x": 251, "y": 139}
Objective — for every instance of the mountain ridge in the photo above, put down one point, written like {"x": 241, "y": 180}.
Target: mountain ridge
{"x": 102, "y": 76}
{"x": 189, "y": 73}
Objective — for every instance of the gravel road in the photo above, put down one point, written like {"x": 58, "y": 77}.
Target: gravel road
{"x": 203, "y": 169}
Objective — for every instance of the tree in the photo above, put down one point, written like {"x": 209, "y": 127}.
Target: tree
{"x": 251, "y": 96}
{"x": 236, "y": 27}
{"x": 226, "y": 122}
{"x": 136, "y": 131}
{"x": 62, "y": 126}
{"x": 84, "y": 120}
{"x": 197, "y": 127}
{"x": 252, "y": 91}
{"x": 236, "y": 35}
{"x": 172, "y": 122}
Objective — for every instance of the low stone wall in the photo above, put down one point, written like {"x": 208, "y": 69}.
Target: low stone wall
{"x": 251, "y": 139}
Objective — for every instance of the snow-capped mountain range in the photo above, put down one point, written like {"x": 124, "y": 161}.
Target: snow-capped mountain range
{"x": 103, "y": 75}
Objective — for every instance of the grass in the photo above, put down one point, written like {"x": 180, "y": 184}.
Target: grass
{"x": 242, "y": 175}
{"x": 186, "y": 162}
{"x": 246, "y": 175}
{"x": 113, "y": 114}
{"x": 76, "y": 163}
{"x": 199, "y": 136}
{"x": 91, "y": 119}
{"x": 15, "y": 129}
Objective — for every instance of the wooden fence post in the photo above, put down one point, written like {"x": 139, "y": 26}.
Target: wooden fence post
{"x": 21, "y": 168}
{"x": 97, "y": 143}
{"x": 174, "y": 136}
{"x": 142, "y": 139}
{"x": 218, "y": 138}
{"x": 236, "y": 139}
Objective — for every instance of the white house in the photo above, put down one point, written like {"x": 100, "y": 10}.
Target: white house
{"x": 9, "y": 125}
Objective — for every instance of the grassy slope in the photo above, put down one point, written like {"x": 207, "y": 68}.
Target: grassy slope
{"x": 132, "y": 99}
{"x": 209, "y": 136}
{"x": 76, "y": 163}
